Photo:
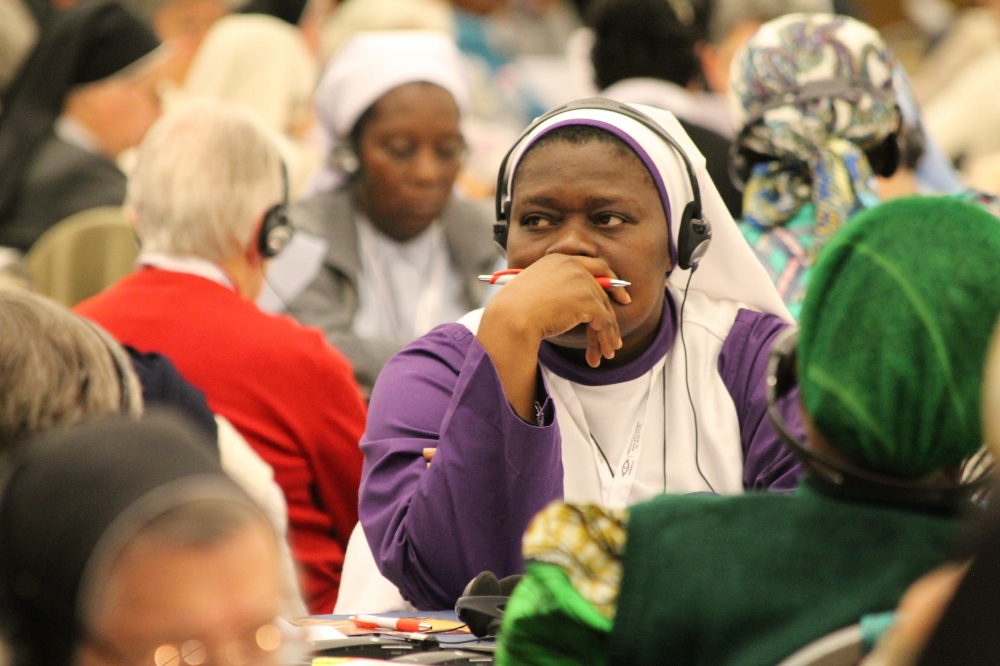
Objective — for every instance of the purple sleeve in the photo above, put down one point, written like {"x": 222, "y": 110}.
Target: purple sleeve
{"x": 432, "y": 529}
{"x": 767, "y": 462}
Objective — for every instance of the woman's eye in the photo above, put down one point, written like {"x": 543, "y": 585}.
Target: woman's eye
{"x": 534, "y": 221}
{"x": 609, "y": 220}
{"x": 400, "y": 149}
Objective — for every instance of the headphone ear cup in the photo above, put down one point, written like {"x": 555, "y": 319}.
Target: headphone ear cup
{"x": 508, "y": 584}
{"x": 739, "y": 166}
{"x": 480, "y": 603}
{"x": 275, "y": 232}
{"x": 693, "y": 237}
{"x": 480, "y": 624}
{"x": 345, "y": 158}
{"x": 885, "y": 157}
{"x": 500, "y": 230}
{"x": 485, "y": 584}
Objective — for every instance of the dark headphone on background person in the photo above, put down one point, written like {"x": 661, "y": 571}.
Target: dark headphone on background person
{"x": 855, "y": 483}
{"x": 883, "y": 158}
{"x": 482, "y": 604}
{"x": 276, "y": 229}
{"x": 694, "y": 231}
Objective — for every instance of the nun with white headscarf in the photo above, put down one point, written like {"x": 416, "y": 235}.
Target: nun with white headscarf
{"x": 402, "y": 251}
{"x": 562, "y": 387}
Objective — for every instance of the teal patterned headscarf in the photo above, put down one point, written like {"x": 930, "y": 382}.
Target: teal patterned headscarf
{"x": 817, "y": 144}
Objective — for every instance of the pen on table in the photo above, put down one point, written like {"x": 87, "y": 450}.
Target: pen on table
{"x": 394, "y": 623}
{"x": 505, "y": 276}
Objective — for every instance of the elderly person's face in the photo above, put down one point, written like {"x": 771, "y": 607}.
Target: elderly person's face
{"x": 410, "y": 150}
{"x": 120, "y": 109}
{"x": 192, "y": 604}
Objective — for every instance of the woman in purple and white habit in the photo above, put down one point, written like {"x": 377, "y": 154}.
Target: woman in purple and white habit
{"x": 560, "y": 389}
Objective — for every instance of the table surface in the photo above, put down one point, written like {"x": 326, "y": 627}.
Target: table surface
{"x": 446, "y": 639}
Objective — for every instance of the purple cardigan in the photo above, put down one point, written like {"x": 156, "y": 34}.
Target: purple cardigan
{"x": 432, "y": 529}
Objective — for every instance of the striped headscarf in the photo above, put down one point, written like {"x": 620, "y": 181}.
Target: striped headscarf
{"x": 818, "y": 141}
{"x": 894, "y": 334}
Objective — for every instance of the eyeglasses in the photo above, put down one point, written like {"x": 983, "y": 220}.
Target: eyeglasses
{"x": 274, "y": 644}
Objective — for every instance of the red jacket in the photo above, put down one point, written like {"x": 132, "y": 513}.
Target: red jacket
{"x": 290, "y": 394}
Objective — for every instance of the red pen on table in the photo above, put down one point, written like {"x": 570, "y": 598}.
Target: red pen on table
{"x": 505, "y": 276}
{"x": 394, "y": 623}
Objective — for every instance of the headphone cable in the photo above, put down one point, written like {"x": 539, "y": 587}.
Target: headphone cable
{"x": 694, "y": 412}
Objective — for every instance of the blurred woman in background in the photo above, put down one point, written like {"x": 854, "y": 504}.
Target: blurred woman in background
{"x": 402, "y": 251}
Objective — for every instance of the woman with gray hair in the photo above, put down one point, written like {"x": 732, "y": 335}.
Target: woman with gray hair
{"x": 208, "y": 197}
{"x": 57, "y": 369}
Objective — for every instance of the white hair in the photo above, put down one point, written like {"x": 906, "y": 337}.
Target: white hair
{"x": 205, "y": 175}
{"x": 727, "y": 15}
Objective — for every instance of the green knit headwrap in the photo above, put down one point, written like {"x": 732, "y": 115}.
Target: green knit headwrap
{"x": 894, "y": 332}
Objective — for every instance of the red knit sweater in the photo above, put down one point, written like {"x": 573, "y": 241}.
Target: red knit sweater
{"x": 290, "y": 394}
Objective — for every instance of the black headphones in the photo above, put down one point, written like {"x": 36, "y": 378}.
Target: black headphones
{"x": 694, "y": 232}
{"x": 276, "y": 229}
{"x": 884, "y": 158}
{"x": 482, "y": 604}
{"x": 855, "y": 483}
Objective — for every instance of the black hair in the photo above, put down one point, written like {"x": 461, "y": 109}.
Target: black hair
{"x": 641, "y": 38}
{"x": 579, "y": 135}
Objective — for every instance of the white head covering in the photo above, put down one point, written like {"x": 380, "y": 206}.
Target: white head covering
{"x": 258, "y": 62}
{"x": 730, "y": 269}
{"x": 371, "y": 64}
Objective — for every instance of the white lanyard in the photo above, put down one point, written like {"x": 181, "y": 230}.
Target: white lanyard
{"x": 617, "y": 480}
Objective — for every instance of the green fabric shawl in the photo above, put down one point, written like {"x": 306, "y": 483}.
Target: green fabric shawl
{"x": 894, "y": 332}
{"x": 548, "y": 623}
{"x": 746, "y": 581}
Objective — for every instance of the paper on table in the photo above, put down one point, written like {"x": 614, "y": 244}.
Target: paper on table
{"x": 321, "y": 632}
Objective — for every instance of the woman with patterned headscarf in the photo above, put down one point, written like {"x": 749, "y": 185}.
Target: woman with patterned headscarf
{"x": 894, "y": 334}
{"x": 813, "y": 95}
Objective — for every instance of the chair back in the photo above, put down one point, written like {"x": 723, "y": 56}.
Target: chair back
{"x": 82, "y": 255}
{"x": 843, "y": 647}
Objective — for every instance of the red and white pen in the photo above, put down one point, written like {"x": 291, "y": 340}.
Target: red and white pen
{"x": 394, "y": 623}
{"x": 505, "y": 276}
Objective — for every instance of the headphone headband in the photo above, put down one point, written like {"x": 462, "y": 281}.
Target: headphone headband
{"x": 850, "y": 90}
{"x": 849, "y": 480}
{"x": 694, "y": 231}
{"x": 742, "y": 158}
